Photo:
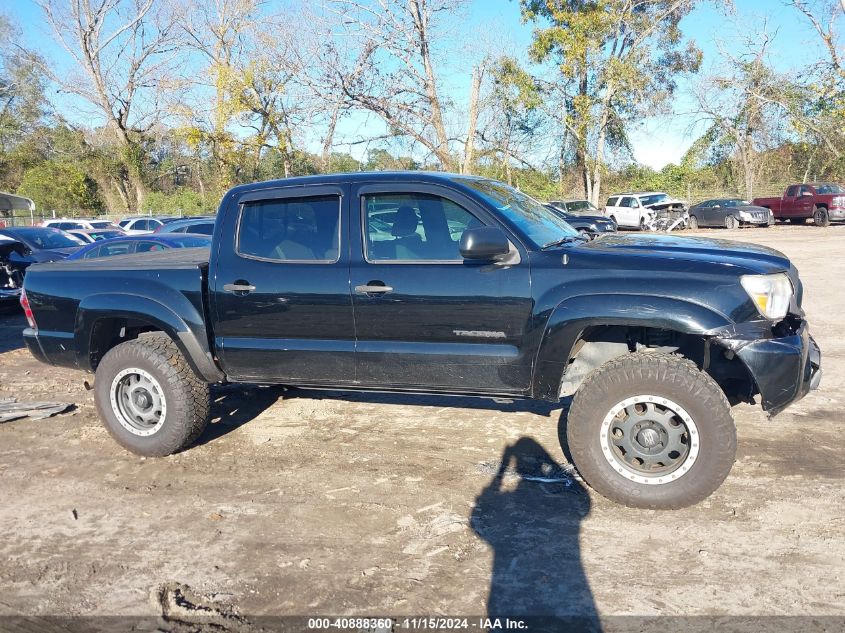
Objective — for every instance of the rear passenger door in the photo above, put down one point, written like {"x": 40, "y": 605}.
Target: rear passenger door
{"x": 280, "y": 287}
{"x": 425, "y": 317}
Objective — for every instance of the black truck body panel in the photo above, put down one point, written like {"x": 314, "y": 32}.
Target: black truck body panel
{"x": 447, "y": 326}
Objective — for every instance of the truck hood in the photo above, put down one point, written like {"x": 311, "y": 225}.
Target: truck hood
{"x": 752, "y": 257}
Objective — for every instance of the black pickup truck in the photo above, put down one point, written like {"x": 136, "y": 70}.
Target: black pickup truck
{"x": 443, "y": 284}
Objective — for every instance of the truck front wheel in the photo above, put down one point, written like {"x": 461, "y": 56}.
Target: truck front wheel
{"x": 148, "y": 397}
{"x": 651, "y": 430}
{"x": 821, "y": 217}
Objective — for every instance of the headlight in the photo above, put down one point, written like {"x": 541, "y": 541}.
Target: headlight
{"x": 839, "y": 201}
{"x": 745, "y": 215}
{"x": 770, "y": 293}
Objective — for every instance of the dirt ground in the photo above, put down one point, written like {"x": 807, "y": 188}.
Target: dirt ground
{"x": 307, "y": 502}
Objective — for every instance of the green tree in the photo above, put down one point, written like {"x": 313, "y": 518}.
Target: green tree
{"x": 616, "y": 61}
{"x": 60, "y": 186}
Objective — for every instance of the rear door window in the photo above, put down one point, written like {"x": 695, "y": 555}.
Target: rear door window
{"x": 121, "y": 248}
{"x": 290, "y": 229}
{"x": 611, "y": 202}
{"x": 792, "y": 191}
{"x": 202, "y": 229}
{"x": 148, "y": 247}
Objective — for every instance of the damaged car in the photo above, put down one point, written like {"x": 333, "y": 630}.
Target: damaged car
{"x": 21, "y": 247}
{"x": 647, "y": 211}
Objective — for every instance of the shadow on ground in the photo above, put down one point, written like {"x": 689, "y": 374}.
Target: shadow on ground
{"x": 530, "y": 514}
{"x": 234, "y": 405}
{"x": 11, "y": 328}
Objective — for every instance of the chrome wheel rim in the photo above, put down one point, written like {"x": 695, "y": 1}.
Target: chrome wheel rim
{"x": 138, "y": 402}
{"x": 649, "y": 439}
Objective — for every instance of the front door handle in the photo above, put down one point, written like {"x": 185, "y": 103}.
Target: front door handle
{"x": 245, "y": 288}
{"x": 371, "y": 290}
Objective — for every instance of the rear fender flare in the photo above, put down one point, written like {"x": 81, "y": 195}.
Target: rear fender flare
{"x": 572, "y": 317}
{"x": 189, "y": 333}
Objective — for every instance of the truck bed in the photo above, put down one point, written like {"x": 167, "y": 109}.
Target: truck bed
{"x": 165, "y": 290}
{"x": 174, "y": 258}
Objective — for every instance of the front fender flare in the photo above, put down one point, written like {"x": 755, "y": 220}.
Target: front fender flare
{"x": 572, "y": 317}
{"x": 189, "y": 333}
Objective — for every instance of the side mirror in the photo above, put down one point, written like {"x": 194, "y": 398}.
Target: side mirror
{"x": 484, "y": 242}
{"x": 717, "y": 206}
{"x": 804, "y": 194}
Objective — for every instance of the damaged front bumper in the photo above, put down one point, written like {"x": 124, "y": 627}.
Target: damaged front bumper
{"x": 784, "y": 360}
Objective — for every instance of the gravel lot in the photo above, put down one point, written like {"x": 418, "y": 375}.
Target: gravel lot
{"x": 306, "y": 502}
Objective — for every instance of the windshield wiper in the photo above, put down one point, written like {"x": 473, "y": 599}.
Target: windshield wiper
{"x": 567, "y": 239}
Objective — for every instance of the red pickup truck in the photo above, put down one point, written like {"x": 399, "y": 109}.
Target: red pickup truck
{"x": 822, "y": 201}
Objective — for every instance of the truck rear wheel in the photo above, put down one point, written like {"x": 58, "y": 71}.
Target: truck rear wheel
{"x": 821, "y": 217}
{"x": 651, "y": 430}
{"x": 148, "y": 397}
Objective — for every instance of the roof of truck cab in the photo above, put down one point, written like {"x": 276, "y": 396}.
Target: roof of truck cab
{"x": 359, "y": 176}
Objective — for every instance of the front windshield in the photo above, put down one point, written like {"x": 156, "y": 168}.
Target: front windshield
{"x": 653, "y": 199}
{"x": 581, "y": 207}
{"x": 533, "y": 219}
{"x": 43, "y": 238}
{"x": 830, "y": 188}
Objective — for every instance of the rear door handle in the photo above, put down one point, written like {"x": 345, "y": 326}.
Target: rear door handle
{"x": 369, "y": 290}
{"x": 238, "y": 287}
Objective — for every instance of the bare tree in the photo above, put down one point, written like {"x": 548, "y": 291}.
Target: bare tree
{"x": 823, "y": 15}
{"x": 121, "y": 50}
{"x": 740, "y": 102}
{"x": 397, "y": 79}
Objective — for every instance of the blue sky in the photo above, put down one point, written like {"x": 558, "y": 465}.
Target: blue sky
{"x": 496, "y": 23}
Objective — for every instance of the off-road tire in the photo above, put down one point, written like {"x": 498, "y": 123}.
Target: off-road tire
{"x": 187, "y": 397}
{"x": 821, "y": 217}
{"x": 693, "y": 223}
{"x": 664, "y": 375}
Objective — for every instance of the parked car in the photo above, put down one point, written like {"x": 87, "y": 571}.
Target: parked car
{"x": 589, "y": 225}
{"x": 142, "y": 225}
{"x": 13, "y": 265}
{"x": 89, "y": 237}
{"x": 576, "y": 207}
{"x": 650, "y": 210}
{"x": 141, "y": 244}
{"x": 730, "y": 213}
{"x": 822, "y": 201}
{"x": 46, "y": 244}
{"x": 200, "y": 225}
{"x": 309, "y": 282}
{"x": 21, "y": 247}
{"x": 67, "y": 224}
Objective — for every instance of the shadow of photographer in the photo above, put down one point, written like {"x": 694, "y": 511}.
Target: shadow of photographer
{"x": 530, "y": 513}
